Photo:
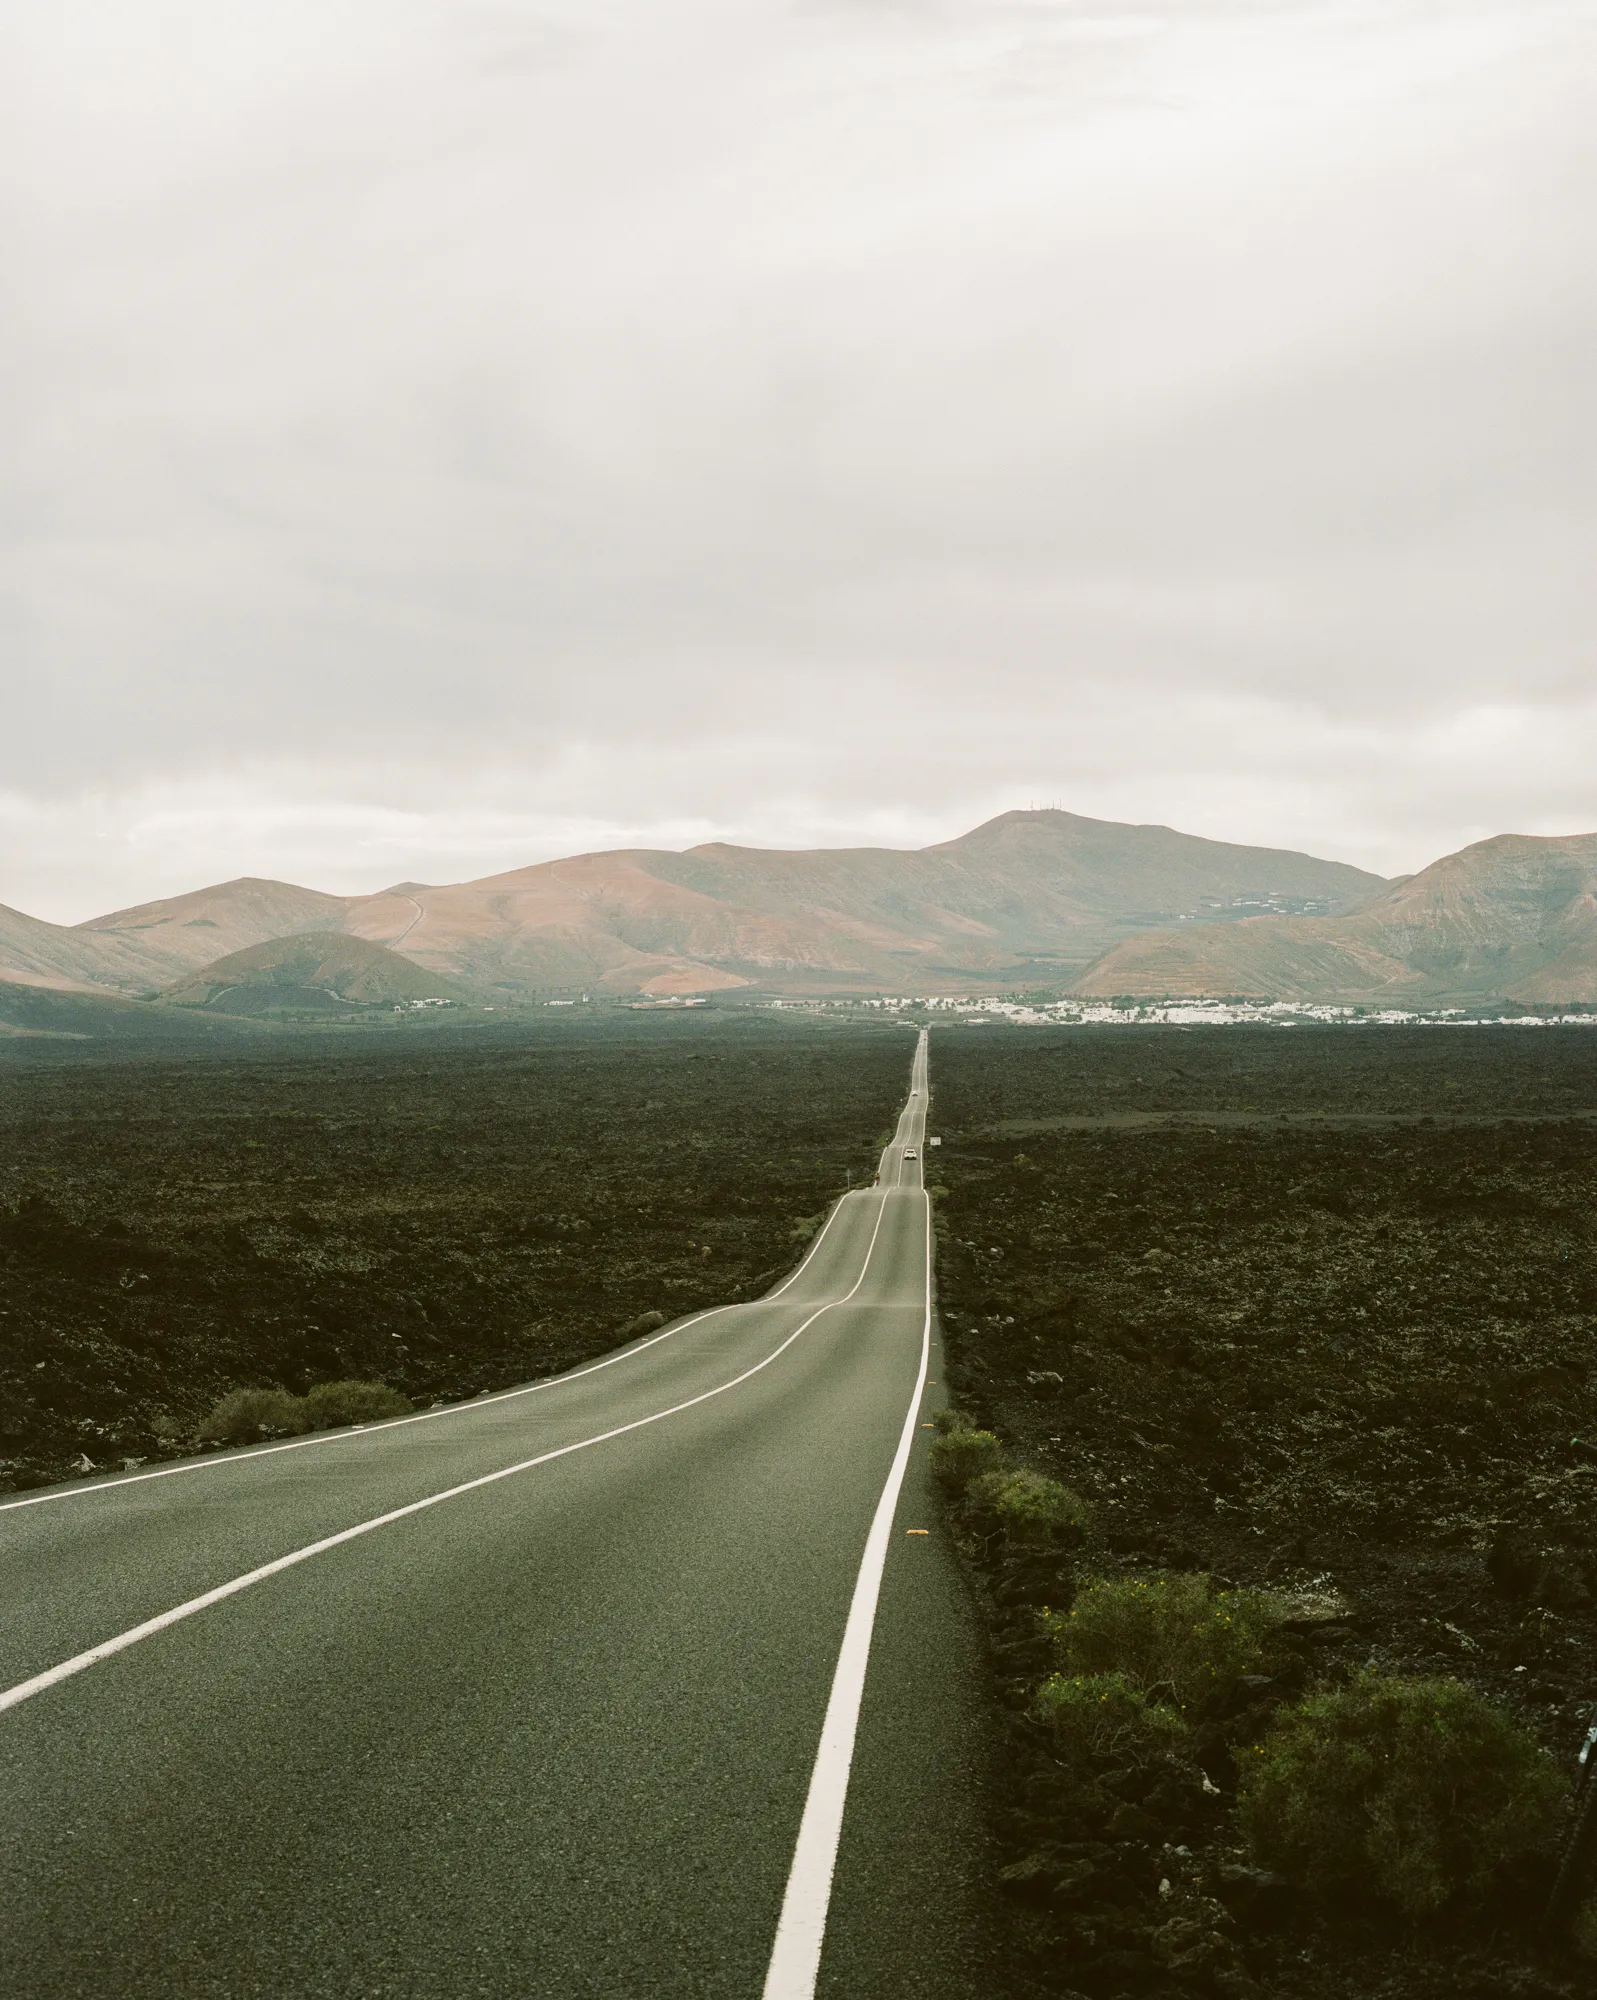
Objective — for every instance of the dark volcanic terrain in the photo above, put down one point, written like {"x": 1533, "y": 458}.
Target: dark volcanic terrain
{"x": 447, "y": 1216}
{"x": 1337, "y": 1343}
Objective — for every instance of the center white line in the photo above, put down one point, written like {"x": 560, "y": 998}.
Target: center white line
{"x": 24, "y": 1690}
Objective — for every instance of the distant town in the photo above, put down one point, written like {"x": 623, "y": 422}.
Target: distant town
{"x": 1042, "y": 1013}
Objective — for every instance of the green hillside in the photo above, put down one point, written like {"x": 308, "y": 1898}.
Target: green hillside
{"x": 317, "y": 972}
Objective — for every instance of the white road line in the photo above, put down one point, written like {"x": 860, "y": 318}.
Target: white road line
{"x": 24, "y": 1690}
{"x": 423, "y": 1416}
{"x": 801, "y": 1931}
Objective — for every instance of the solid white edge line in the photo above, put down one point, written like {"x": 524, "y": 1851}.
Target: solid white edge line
{"x": 426, "y": 1416}
{"x": 801, "y": 1930}
{"x": 11, "y": 1697}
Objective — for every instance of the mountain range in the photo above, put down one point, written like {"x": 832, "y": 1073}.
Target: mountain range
{"x": 1513, "y": 918}
{"x": 1030, "y": 899}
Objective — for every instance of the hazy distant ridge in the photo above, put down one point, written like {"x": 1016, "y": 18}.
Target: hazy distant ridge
{"x": 1030, "y": 897}
{"x": 1514, "y": 917}
{"x": 1045, "y": 898}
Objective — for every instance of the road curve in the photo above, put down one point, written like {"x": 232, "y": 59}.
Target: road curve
{"x": 523, "y": 1697}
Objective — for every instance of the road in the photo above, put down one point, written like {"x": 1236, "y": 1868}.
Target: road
{"x": 550, "y": 1693}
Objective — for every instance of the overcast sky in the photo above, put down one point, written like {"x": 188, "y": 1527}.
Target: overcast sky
{"x": 446, "y": 435}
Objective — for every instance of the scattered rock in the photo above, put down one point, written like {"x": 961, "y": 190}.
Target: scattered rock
{"x": 1520, "y": 1567}
{"x": 1129, "y": 1822}
{"x": 1514, "y": 1563}
{"x": 1075, "y": 1883}
{"x": 1038, "y": 1874}
{"x": 648, "y": 1322}
{"x": 1308, "y": 1610}
{"x": 1256, "y": 1896}
{"x": 1116, "y": 1971}
{"x": 1187, "y": 1944}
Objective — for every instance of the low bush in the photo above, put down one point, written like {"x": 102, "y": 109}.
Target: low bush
{"x": 329, "y": 1404}
{"x": 1412, "y": 1792}
{"x": 245, "y": 1416}
{"x": 1172, "y": 1632}
{"x": 1097, "y": 1717}
{"x": 962, "y": 1454}
{"x": 1032, "y": 1511}
{"x": 649, "y": 1322}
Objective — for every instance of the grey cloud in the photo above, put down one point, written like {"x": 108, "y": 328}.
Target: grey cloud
{"x": 489, "y": 423}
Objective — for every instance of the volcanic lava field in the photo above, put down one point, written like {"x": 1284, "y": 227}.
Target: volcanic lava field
{"x": 446, "y": 1216}
{"x": 1308, "y": 1312}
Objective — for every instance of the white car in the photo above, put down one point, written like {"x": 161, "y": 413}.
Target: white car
{"x": 909, "y": 1153}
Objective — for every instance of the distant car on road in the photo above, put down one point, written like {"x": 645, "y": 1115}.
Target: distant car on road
{"x": 909, "y": 1153}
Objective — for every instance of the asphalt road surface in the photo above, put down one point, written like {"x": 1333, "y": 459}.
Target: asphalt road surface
{"x": 543, "y": 1714}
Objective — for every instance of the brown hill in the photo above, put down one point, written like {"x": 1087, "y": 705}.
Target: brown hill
{"x": 142, "y": 950}
{"x": 1513, "y": 918}
{"x": 183, "y": 933}
{"x": 314, "y": 973}
{"x": 599, "y": 920}
{"x": 34, "y": 953}
{"x": 1029, "y": 897}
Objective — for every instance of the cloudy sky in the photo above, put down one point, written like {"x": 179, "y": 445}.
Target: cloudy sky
{"x": 445, "y": 435}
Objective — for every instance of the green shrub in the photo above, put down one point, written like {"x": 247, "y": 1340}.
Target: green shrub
{"x": 948, "y": 1420}
{"x": 329, "y": 1404}
{"x": 648, "y": 1322}
{"x": 1032, "y": 1511}
{"x": 1103, "y": 1716}
{"x": 245, "y": 1416}
{"x": 962, "y": 1454}
{"x": 1170, "y": 1632}
{"x": 1411, "y": 1791}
